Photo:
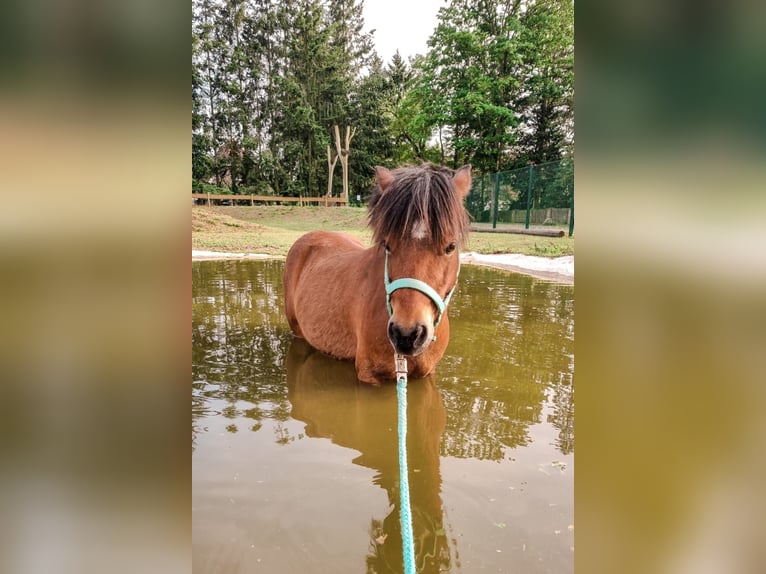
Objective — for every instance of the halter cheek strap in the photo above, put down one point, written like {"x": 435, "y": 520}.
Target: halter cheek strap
{"x": 425, "y": 288}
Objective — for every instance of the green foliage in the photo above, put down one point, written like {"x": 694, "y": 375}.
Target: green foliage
{"x": 199, "y": 187}
{"x": 467, "y": 82}
{"x": 270, "y": 79}
{"x": 201, "y": 162}
{"x": 372, "y": 144}
{"x": 547, "y": 48}
{"x": 497, "y": 83}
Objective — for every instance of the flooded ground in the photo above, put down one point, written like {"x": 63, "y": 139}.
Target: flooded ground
{"x": 295, "y": 463}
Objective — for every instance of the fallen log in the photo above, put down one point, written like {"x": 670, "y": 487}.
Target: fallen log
{"x": 540, "y": 232}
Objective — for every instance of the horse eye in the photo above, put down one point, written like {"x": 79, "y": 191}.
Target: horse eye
{"x": 450, "y": 248}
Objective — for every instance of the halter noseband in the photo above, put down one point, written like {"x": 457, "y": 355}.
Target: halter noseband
{"x": 418, "y": 285}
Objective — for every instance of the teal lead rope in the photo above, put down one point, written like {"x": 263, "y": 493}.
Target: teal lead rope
{"x": 408, "y": 544}
{"x": 405, "y": 513}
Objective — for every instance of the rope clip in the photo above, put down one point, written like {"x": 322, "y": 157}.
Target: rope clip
{"x": 400, "y": 362}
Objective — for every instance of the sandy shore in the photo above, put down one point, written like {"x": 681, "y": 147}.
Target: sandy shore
{"x": 203, "y": 255}
{"x": 559, "y": 269}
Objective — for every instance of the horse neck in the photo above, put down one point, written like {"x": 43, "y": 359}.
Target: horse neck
{"x": 375, "y": 258}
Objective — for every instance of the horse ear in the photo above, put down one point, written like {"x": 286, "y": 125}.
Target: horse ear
{"x": 383, "y": 177}
{"x": 462, "y": 180}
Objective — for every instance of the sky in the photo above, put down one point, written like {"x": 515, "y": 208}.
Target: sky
{"x": 405, "y": 25}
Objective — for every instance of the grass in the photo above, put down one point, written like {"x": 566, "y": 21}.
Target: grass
{"x": 273, "y": 229}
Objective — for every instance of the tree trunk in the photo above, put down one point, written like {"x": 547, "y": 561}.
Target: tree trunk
{"x": 343, "y": 152}
{"x": 331, "y": 161}
{"x": 441, "y": 145}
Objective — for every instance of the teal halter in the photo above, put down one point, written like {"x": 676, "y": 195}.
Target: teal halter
{"x": 425, "y": 288}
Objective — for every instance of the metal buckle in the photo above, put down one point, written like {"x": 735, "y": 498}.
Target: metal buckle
{"x": 400, "y": 362}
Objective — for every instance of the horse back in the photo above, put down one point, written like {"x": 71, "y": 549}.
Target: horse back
{"x": 316, "y": 246}
{"x": 318, "y": 270}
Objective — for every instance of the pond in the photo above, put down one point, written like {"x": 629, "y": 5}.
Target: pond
{"x": 295, "y": 464}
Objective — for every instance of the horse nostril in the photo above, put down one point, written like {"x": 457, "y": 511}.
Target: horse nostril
{"x": 407, "y": 341}
{"x": 421, "y": 332}
{"x": 401, "y": 339}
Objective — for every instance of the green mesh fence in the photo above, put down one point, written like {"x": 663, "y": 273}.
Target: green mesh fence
{"x": 538, "y": 195}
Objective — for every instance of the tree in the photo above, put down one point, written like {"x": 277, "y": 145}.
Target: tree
{"x": 297, "y": 130}
{"x": 468, "y": 81}
{"x": 496, "y": 86}
{"x": 270, "y": 79}
{"x": 207, "y": 62}
{"x": 200, "y": 142}
{"x": 372, "y": 142}
{"x": 403, "y": 111}
{"x": 546, "y": 106}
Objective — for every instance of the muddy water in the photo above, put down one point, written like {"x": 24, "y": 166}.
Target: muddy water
{"x": 295, "y": 464}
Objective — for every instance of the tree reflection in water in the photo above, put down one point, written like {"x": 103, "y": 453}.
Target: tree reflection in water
{"x": 511, "y": 354}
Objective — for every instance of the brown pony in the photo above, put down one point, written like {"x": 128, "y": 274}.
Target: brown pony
{"x": 355, "y": 303}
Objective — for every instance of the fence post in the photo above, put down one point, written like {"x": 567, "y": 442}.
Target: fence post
{"x": 529, "y": 195}
{"x": 208, "y": 199}
{"x": 495, "y": 200}
{"x": 571, "y": 215}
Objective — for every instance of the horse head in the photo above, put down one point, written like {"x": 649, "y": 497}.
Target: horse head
{"x": 418, "y": 218}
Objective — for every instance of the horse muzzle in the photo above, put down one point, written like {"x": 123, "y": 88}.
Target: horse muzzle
{"x": 409, "y": 340}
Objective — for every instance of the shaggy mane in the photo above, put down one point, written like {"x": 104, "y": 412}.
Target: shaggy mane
{"x": 419, "y": 193}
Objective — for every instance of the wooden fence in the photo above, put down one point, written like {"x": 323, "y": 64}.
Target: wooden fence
{"x": 323, "y": 200}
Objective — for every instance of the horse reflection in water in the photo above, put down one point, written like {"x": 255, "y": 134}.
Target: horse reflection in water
{"x": 325, "y": 394}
